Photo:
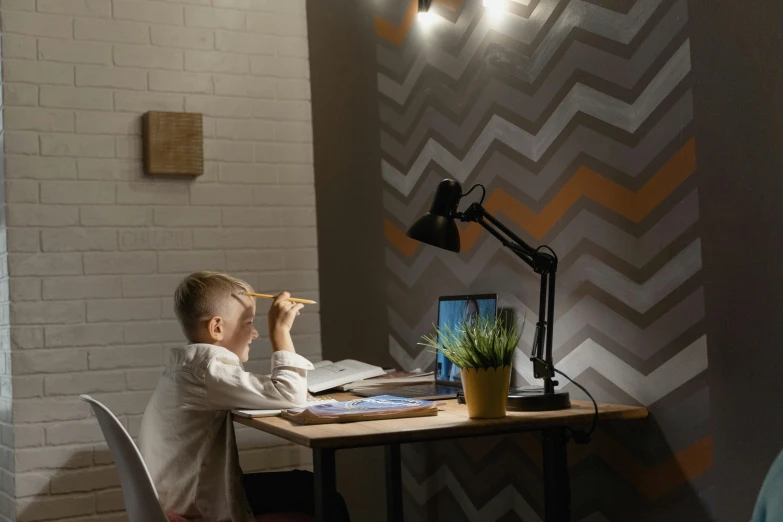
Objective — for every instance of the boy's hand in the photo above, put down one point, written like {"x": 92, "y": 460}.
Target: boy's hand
{"x": 281, "y": 318}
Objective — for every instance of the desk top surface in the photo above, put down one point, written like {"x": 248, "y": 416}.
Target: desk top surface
{"x": 452, "y": 421}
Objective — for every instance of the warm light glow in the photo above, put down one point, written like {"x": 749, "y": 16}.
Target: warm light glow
{"x": 425, "y": 17}
{"x": 495, "y": 5}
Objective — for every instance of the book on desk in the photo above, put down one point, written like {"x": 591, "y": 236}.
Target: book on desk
{"x": 362, "y": 409}
{"x": 348, "y": 374}
{"x": 328, "y": 375}
{"x": 327, "y": 410}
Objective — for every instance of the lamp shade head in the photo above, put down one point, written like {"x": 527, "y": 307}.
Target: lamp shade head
{"x": 437, "y": 227}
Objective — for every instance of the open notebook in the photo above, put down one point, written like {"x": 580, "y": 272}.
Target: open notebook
{"x": 271, "y": 413}
{"x": 327, "y": 374}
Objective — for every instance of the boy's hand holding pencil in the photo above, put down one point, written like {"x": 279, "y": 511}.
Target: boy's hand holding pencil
{"x": 281, "y": 318}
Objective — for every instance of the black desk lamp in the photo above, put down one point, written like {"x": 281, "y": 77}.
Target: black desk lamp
{"x": 438, "y": 228}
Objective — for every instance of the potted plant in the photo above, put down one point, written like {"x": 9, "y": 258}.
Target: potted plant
{"x": 482, "y": 348}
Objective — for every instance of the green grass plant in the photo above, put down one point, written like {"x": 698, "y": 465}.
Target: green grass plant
{"x": 484, "y": 342}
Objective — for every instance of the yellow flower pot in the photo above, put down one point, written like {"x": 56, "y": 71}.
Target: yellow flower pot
{"x": 486, "y": 391}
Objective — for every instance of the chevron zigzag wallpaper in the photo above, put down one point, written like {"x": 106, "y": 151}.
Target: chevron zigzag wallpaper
{"x": 577, "y": 117}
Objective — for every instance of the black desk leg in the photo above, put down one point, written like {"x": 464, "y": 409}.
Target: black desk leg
{"x": 325, "y": 483}
{"x": 393, "y": 484}
{"x": 557, "y": 489}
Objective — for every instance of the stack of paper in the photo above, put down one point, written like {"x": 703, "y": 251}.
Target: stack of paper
{"x": 392, "y": 378}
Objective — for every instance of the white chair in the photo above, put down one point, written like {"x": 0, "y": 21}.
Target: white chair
{"x": 141, "y": 499}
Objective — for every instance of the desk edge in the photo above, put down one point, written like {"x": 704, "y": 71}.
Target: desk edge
{"x": 425, "y": 435}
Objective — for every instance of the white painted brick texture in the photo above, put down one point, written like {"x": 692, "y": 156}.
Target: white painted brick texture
{"x": 24, "y": 192}
{"x": 93, "y": 249}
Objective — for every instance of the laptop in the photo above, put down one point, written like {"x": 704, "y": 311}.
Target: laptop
{"x": 447, "y": 382}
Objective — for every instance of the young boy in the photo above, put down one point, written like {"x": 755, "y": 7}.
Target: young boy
{"x": 187, "y": 435}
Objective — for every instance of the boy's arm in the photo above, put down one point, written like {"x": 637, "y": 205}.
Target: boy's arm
{"x": 280, "y": 320}
{"x": 229, "y": 386}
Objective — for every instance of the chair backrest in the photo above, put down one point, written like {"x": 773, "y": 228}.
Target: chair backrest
{"x": 141, "y": 499}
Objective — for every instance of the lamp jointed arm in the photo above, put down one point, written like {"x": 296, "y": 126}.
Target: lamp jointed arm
{"x": 542, "y": 263}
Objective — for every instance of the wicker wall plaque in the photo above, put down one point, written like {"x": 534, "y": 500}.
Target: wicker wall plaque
{"x": 173, "y": 143}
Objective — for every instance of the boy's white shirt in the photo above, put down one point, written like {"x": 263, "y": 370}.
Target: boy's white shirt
{"x": 187, "y": 435}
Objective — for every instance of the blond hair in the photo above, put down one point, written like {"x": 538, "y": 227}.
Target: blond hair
{"x": 201, "y": 296}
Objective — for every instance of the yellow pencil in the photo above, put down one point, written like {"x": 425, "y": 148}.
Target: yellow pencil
{"x": 269, "y": 296}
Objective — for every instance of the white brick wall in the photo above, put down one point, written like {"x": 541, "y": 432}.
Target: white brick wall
{"x": 18, "y": 191}
{"x": 94, "y": 249}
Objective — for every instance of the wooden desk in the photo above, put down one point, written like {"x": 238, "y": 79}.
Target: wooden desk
{"x": 451, "y": 422}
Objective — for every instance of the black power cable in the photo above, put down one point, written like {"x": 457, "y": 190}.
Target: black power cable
{"x": 582, "y": 437}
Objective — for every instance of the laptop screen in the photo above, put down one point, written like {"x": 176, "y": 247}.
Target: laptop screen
{"x": 453, "y": 310}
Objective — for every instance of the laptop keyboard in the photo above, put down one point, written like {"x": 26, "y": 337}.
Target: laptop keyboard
{"x": 421, "y": 390}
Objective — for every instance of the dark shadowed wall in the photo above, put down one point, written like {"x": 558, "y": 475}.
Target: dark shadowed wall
{"x": 348, "y": 184}
{"x": 738, "y": 65}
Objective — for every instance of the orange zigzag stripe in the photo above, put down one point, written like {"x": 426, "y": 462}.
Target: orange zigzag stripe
{"x": 654, "y": 482}
{"x": 585, "y": 182}
{"x": 396, "y": 33}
